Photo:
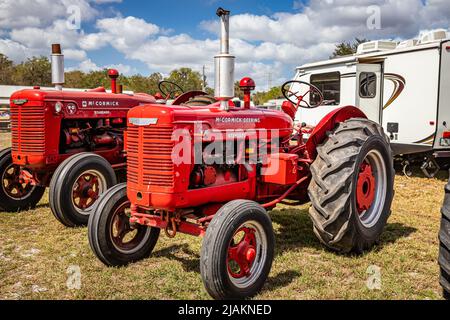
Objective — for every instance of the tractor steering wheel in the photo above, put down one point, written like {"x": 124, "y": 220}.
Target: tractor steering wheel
{"x": 170, "y": 90}
{"x": 299, "y": 101}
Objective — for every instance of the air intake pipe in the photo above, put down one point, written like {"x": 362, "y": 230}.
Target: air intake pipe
{"x": 224, "y": 63}
{"x": 57, "y": 67}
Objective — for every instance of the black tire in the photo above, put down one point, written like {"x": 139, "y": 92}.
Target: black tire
{"x": 338, "y": 221}
{"x": 214, "y": 253}
{"x": 9, "y": 203}
{"x": 61, "y": 194}
{"x": 101, "y": 239}
{"x": 444, "y": 247}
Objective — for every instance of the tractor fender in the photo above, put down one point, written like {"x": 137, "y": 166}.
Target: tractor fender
{"x": 327, "y": 124}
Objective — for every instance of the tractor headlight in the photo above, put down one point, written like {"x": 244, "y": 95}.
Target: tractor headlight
{"x": 58, "y": 107}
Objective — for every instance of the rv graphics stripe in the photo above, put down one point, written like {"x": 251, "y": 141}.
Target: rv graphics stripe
{"x": 399, "y": 85}
{"x": 427, "y": 140}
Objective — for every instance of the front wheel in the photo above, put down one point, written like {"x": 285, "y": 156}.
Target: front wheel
{"x": 352, "y": 187}
{"x": 15, "y": 194}
{"x": 76, "y": 186}
{"x": 113, "y": 240}
{"x": 237, "y": 251}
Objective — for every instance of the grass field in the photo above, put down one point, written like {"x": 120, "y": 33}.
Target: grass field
{"x": 38, "y": 257}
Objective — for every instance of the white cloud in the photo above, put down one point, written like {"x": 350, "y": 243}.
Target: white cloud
{"x": 42, "y": 38}
{"x": 88, "y": 66}
{"x": 42, "y": 13}
{"x": 121, "y": 33}
{"x": 77, "y": 55}
{"x": 338, "y": 20}
{"x": 14, "y": 50}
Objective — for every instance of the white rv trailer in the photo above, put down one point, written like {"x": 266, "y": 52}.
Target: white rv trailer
{"x": 405, "y": 87}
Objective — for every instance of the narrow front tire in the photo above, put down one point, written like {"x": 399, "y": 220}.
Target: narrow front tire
{"x": 237, "y": 251}
{"x": 111, "y": 237}
{"x": 76, "y": 186}
{"x": 15, "y": 194}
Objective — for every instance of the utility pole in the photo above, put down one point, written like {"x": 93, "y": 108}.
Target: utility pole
{"x": 204, "y": 78}
{"x": 269, "y": 81}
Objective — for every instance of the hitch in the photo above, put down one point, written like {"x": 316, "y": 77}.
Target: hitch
{"x": 430, "y": 167}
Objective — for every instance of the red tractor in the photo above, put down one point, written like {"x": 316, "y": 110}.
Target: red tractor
{"x": 214, "y": 171}
{"x": 70, "y": 141}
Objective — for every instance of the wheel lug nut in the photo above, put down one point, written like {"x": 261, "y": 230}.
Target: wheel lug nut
{"x": 250, "y": 254}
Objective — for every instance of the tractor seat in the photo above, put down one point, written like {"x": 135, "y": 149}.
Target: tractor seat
{"x": 99, "y": 89}
{"x": 200, "y": 101}
{"x": 289, "y": 109}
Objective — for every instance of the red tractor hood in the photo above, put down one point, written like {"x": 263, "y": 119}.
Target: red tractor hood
{"x": 213, "y": 117}
{"x": 83, "y": 99}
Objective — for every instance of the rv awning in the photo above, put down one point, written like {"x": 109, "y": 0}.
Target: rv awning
{"x": 371, "y": 59}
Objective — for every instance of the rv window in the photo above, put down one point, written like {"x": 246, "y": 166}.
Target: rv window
{"x": 367, "y": 85}
{"x": 330, "y": 86}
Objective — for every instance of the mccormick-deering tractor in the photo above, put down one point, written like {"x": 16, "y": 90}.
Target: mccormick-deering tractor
{"x": 70, "y": 141}
{"x": 215, "y": 170}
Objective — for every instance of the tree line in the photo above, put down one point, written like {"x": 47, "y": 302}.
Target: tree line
{"x": 36, "y": 71}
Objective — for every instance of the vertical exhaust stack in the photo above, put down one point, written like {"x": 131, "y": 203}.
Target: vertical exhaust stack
{"x": 224, "y": 63}
{"x": 57, "y": 67}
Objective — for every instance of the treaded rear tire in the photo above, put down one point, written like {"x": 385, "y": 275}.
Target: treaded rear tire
{"x": 214, "y": 252}
{"x": 332, "y": 191}
{"x": 8, "y": 204}
{"x": 60, "y": 191}
{"x": 444, "y": 247}
{"x": 99, "y": 228}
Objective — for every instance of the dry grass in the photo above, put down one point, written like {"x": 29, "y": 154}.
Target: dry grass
{"x": 36, "y": 252}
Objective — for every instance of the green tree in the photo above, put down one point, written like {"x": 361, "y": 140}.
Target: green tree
{"x": 347, "y": 48}
{"x": 74, "y": 79}
{"x": 6, "y": 70}
{"x": 262, "y": 97}
{"x": 34, "y": 71}
{"x": 96, "y": 79}
{"x": 237, "y": 91}
{"x": 186, "y": 78}
{"x": 139, "y": 83}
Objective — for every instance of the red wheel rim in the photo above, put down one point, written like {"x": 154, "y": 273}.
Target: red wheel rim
{"x": 125, "y": 238}
{"x": 365, "y": 188}
{"x": 242, "y": 253}
{"x": 13, "y": 185}
{"x": 87, "y": 189}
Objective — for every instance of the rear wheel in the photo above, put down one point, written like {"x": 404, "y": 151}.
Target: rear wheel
{"x": 15, "y": 195}
{"x": 114, "y": 241}
{"x": 352, "y": 186}
{"x": 237, "y": 251}
{"x": 76, "y": 186}
{"x": 444, "y": 248}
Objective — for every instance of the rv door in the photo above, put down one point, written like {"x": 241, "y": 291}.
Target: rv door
{"x": 368, "y": 90}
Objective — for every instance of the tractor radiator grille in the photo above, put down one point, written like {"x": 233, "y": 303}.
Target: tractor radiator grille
{"x": 28, "y": 129}
{"x": 149, "y": 151}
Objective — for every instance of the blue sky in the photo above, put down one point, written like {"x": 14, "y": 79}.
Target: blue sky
{"x": 269, "y": 38}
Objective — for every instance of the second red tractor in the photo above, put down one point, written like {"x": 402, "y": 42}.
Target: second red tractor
{"x": 72, "y": 142}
